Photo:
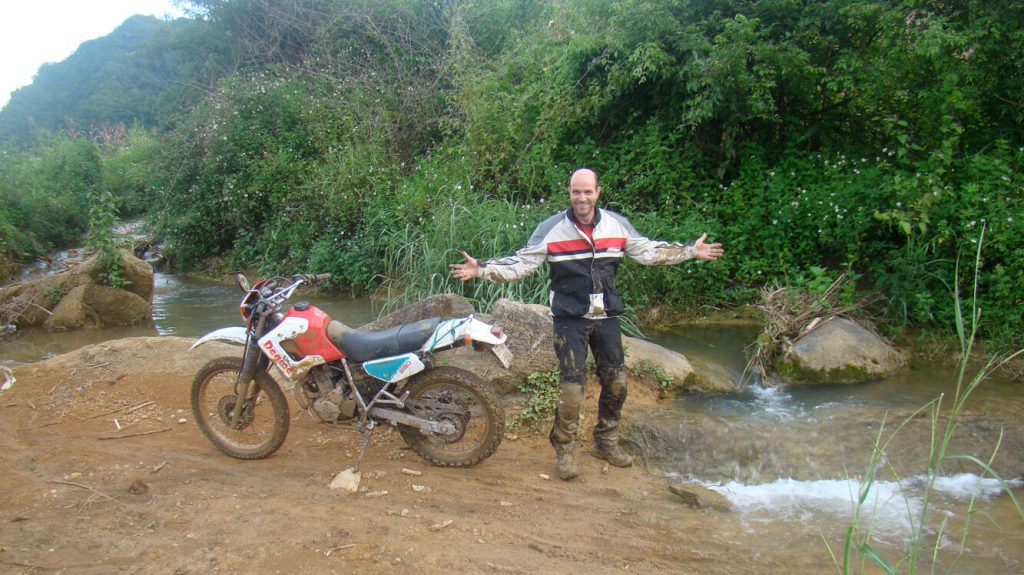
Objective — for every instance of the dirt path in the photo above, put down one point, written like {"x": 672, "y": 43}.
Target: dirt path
{"x": 168, "y": 502}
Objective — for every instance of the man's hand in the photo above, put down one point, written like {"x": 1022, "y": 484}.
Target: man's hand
{"x": 703, "y": 251}
{"x": 468, "y": 270}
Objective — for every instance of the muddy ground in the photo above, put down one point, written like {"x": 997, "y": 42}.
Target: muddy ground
{"x": 80, "y": 495}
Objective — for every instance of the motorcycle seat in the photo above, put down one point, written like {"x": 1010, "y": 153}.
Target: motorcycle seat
{"x": 360, "y": 346}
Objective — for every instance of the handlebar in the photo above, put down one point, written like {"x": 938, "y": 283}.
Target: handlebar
{"x": 310, "y": 280}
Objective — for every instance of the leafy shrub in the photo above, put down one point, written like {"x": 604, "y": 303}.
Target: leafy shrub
{"x": 541, "y": 389}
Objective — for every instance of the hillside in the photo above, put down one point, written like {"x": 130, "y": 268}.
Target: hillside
{"x": 141, "y": 70}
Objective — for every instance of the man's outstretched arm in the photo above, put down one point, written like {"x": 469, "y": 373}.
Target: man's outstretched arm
{"x": 523, "y": 263}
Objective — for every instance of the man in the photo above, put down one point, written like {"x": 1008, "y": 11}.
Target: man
{"x": 584, "y": 246}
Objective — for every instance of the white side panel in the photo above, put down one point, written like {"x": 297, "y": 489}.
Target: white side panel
{"x": 270, "y": 344}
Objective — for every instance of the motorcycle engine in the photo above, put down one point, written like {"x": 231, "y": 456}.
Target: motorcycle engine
{"x": 332, "y": 401}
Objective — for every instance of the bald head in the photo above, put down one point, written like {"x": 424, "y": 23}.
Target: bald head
{"x": 583, "y": 194}
{"x": 583, "y": 176}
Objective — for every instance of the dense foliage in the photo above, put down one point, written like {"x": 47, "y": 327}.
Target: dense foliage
{"x": 376, "y": 140}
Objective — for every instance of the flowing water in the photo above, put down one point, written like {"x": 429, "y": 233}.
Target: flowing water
{"x": 791, "y": 461}
{"x": 182, "y": 306}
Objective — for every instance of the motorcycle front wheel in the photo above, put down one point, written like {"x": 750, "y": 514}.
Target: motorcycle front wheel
{"x": 462, "y": 400}
{"x": 264, "y": 420}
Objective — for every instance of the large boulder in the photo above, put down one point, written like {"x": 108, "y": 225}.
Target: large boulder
{"x": 838, "y": 350}
{"x": 444, "y": 306}
{"x": 447, "y": 306}
{"x": 41, "y": 302}
{"x": 530, "y": 339}
{"x": 529, "y": 327}
{"x": 672, "y": 370}
{"x": 94, "y": 305}
{"x": 136, "y": 272}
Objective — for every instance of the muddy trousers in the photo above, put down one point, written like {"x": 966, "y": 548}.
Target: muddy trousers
{"x": 572, "y": 338}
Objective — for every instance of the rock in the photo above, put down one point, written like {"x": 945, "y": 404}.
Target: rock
{"x": 443, "y": 306}
{"x": 530, "y": 339}
{"x": 138, "y": 487}
{"x": 700, "y": 497}
{"x": 6, "y": 378}
{"x": 412, "y": 472}
{"x": 442, "y": 525}
{"x": 421, "y": 489}
{"x": 347, "y": 481}
{"x": 838, "y": 350}
{"x": 138, "y": 273}
{"x": 75, "y": 297}
{"x": 94, "y": 305}
{"x": 641, "y": 353}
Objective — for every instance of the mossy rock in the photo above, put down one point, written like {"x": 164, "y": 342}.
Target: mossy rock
{"x": 839, "y": 351}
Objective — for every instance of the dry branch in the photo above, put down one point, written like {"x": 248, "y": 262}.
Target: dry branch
{"x": 789, "y": 315}
{"x": 134, "y": 434}
{"x": 86, "y": 487}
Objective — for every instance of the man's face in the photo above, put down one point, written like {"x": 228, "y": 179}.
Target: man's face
{"x": 583, "y": 194}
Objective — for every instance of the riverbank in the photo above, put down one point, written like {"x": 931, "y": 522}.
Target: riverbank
{"x": 106, "y": 472}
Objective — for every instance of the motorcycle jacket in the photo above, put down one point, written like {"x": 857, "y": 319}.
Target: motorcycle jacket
{"x": 583, "y": 267}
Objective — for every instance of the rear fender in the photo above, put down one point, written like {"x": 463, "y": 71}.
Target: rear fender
{"x": 450, "y": 332}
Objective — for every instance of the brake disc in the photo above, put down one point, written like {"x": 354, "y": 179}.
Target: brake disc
{"x": 226, "y": 406}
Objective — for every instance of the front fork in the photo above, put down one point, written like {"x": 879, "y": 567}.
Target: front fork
{"x": 250, "y": 361}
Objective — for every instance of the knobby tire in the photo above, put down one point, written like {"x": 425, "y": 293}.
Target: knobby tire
{"x": 247, "y": 442}
{"x": 491, "y": 415}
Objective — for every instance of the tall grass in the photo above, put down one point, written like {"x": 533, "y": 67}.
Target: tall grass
{"x": 419, "y": 255}
{"x": 858, "y": 549}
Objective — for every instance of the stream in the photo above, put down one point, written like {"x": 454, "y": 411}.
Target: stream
{"x": 791, "y": 461}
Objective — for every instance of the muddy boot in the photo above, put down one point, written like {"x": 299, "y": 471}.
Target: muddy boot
{"x": 566, "y": 464}
{"x": 613, "y": 454}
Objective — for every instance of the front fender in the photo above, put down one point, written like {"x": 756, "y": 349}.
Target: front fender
{"x": 229, "y": 334}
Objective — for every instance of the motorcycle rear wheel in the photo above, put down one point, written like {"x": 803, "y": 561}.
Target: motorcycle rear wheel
{"x": 264, "y": 423}
{"x": 458, "y": 397}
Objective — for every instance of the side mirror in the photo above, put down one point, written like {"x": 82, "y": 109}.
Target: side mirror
{"x": 243, "y": 282}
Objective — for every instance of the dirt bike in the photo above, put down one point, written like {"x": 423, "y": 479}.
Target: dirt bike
{"x": 447, "y": 415}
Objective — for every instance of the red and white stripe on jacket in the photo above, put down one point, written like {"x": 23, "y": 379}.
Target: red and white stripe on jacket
{"x": 581, "y": 266}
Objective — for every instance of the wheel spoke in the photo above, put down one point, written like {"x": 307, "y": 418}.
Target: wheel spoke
{"x": 260, "y": 427}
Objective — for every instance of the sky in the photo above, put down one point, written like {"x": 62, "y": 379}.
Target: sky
{"x": 34, "y": 32}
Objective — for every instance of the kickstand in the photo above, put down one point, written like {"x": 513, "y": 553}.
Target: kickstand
{"x": 367, "y": 432}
